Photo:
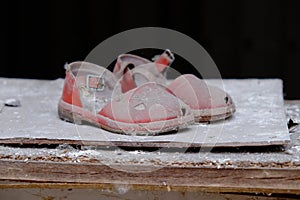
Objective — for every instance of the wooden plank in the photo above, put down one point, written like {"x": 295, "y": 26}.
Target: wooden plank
{"x": 259, "y": 120}
{"x": 167, "y": 178}
{"x": 29, "y": 191}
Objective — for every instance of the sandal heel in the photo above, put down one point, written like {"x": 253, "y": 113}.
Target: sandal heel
{"x": 68, "y": 116}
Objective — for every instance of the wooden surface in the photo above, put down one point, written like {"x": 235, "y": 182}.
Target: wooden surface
{"x": 274, "y": 170}
{"x": 167, "y": 178}
{"x": 259, "y": 120}
{"x": 262, "y": 171}
{"x": 121, "y": 193}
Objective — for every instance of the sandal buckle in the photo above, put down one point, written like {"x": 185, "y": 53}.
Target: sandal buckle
{"x": 95, "y": 83}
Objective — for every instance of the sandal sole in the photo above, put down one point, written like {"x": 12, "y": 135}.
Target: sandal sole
{"x": 216, "y": 114}
{"x": 77, "y": 115}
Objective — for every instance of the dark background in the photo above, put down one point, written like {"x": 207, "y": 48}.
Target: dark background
{"x": 245, "y": 38}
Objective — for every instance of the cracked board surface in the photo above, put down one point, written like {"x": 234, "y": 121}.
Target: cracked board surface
{"x": 258, "y": 121}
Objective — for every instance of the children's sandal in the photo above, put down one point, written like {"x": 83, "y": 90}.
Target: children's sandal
{"x": 208, "y": 103}
{"x": 90, "y": 96}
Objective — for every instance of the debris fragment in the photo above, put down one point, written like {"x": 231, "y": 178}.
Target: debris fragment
{"x": 12, "y": 102}
{"x": 164, "y": 183}
{"x": 65, "y": 147}
{"x": 292, "y": 125}
{"x": 169, "y": 188}
{"x": 122, "y": 189}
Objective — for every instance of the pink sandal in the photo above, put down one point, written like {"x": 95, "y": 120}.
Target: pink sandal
{"x": 208, "y": 103}
{"x": 90, "y": 96}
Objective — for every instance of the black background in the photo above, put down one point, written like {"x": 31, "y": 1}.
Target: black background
{"x": 245, "y": 38}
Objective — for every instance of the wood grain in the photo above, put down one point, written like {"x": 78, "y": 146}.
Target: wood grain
{"x": 167, "y": 178}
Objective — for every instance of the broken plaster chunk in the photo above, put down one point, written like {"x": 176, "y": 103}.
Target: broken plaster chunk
{"x": 12, "y": 102}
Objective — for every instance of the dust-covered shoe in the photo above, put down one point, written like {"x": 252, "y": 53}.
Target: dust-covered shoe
{"x": 90, "y": 96}
{"x": 208, "y": 103}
